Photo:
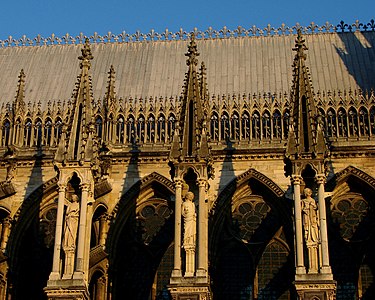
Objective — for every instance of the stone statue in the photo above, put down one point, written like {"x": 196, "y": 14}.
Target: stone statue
{"x": 71, "y": 224}
{"x": 70, "y": 235}
{"x": 188, "y": 212}
{"x": 311, "y": 229}
{"x": 310, "y": 218}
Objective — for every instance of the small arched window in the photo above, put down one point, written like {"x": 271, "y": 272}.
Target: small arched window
{"x": 6, "y": 133}
{"x": 245, "y": 122}
{"x": 47, "y": 132}
{"x": 99, "y": 126}
{"x": 255, "y": 123}
{"x": 214, "y": 127}
{"x": 27, "y": 133}
{"x": 120, "y": 127}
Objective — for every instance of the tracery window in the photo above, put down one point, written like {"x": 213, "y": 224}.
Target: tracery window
{"x": 248, "y": 214}
{"x": 47, "y": 132}
{"x": 255, "y": 122}
{"x": 57, "y": 130}
{"x": 276, "y": 125}
{"x": 171, "y": 126}
{"x": 235, "y": 126}
{"x": 286, "y": 120}
{"x": 130, "y": 130}
{"x": 38, "y": 133}
{"x": 163, "y": 275}
{"x": 342, "y": 123}
{"x": 120, "y": 130}
{"x": 109, "y": 128}
{"x": 224, "y": 126}
{"x": 353, "y": 122}
{"x": 347, "y": 212}
{"x": 99, "y": 126}
{"x": 48, "y": 226}
{"x": 372, "y": 120}
{"x": 272, "y": 284}
{"x": 150, "y": 129}
{"x": 331, "y": 123}
{"x": 245, "y": 120}
{"x": 161, "y": 129}
{"x": 27, "y": 133}
{"x": 140, "y": 130}
{"x": 266, "y": 125}
{"x": 214, "y": 127}
{"x": 17, "y": 131}
{"x": 151, "y": 218}
{"x": 6, "y": 133}
{"x": 364, "y": 124}
{"x": 365, "y": 282}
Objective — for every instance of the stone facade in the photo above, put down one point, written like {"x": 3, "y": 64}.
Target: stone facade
{"x": 92, "y": 189}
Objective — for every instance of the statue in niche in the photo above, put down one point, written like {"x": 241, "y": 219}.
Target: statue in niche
{"x": 70, "y": 234}
{"x": 188, "y": 212}
{"x": 311, "y": 228}
{"x": 310, "y": 218}
{"x": 71, "y": 223}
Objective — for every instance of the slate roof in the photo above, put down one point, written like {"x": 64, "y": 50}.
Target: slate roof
{"x": 237, "y": 65}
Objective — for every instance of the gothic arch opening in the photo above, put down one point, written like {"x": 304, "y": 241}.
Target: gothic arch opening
{"x": 30, "y": 246}
{"x": 251, "y": 241}
{"x": 140, "y": 234}
{"x": 351, "y": 220}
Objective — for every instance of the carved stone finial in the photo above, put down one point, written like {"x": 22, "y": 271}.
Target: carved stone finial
{"x": 86, "y": 55}
{"x": 300, "y": 45}
{"x": 192, "y": 52}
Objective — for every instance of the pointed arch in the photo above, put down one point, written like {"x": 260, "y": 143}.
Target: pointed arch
{"x": 351, "y": 221}
{"x": 141, "y": 231}
{"x": 250, "y": 214}
{"x": 355, "y": 173}
{"x": 30, "y": 245}
{"x": 119, "y": 213}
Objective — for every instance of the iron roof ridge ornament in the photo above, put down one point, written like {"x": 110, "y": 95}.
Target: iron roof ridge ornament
{"x": 209, "y": 33}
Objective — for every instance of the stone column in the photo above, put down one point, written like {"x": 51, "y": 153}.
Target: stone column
{"x": 5, "y": 232}
{"x": 103, "y": 229}
{"x": 300, "y": 266}
{"x": 82, "y": 233}
{"x": 55, "y": 274}
{"x": 177, "y": 230}
{"x": 202, "y": 230}
{"x": 326, "y": 268}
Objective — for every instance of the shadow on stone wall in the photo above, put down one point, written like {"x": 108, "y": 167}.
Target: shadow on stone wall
{"x": 359, "y": 57}
{"x": 30, "y": 259}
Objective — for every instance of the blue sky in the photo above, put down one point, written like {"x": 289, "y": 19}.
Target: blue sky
{"x": 32, "y": 17}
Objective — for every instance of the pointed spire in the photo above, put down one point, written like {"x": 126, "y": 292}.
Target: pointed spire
{"x": 192, "y": 53}
{"x": 19, "y": 105}
{"x": 191, "y": 112}
{"x": 304, "y": 134}
{"x": 110, "y": 95}
{"x": 76, "y": 143}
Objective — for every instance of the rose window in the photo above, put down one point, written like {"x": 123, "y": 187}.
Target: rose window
{"x": 151, "y": 218}
{"x": 248, "y": 215}
{"x": 47, "y": 226}
{"x": 348, "y": 212}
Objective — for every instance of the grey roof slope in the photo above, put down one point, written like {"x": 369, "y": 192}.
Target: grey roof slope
{"x": 337, "y": 61}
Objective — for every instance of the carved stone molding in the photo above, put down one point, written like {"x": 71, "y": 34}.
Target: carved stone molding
{"x": 190, "y": 292}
